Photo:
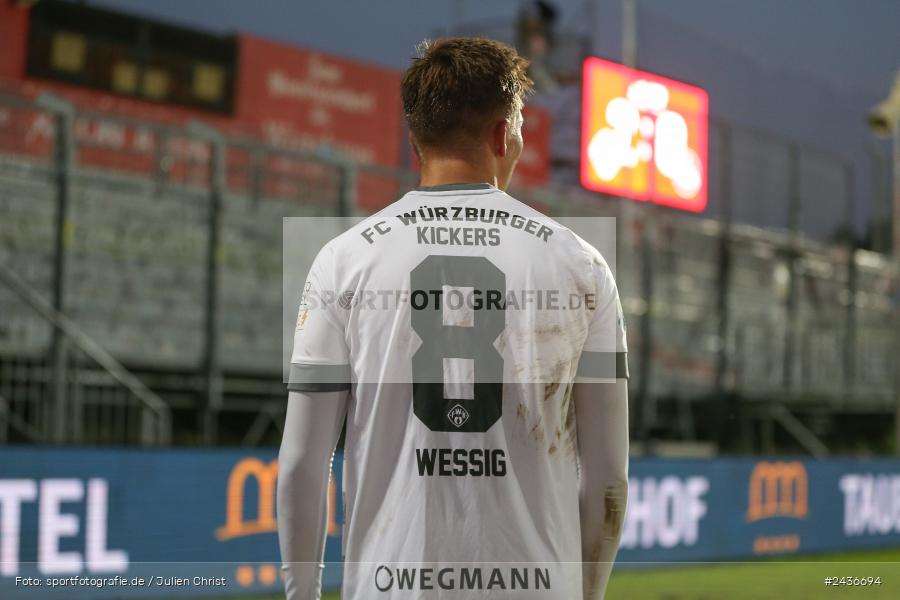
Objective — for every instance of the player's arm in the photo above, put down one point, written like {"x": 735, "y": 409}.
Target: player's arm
{"x": 601, "y": 416}
{"x": 319, "y": 392}
{"x": 311, "y": 430}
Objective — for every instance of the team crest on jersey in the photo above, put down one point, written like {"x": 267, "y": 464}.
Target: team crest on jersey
{"x": 458, "y": 415}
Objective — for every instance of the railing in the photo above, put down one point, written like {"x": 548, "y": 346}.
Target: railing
{"x": 103, "y": 404}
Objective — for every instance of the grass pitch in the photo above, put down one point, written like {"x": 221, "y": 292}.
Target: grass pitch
{"x": 796, "y": 578}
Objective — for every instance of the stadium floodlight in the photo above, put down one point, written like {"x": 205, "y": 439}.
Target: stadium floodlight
{"x": 884, "y": 117}
{"x": 884, "y": 122}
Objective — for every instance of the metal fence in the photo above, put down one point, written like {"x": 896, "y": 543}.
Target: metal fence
{"x": 162, "y": 244}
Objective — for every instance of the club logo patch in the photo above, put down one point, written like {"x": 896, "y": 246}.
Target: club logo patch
{"x": 303, "y": 314}
{"x": 458, "y": 415}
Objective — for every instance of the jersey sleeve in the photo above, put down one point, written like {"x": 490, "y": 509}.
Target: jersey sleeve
{"x": 320, "y": 359}
{"x": 605, "y": 352}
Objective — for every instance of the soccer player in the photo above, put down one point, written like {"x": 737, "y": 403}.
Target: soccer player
{"x": 476, "y": 350}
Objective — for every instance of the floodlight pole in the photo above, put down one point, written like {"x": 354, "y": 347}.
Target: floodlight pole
{"x": 896, "y": 261}
{"x": 457, "y": 12}
{"x": 646, "y": 414}
{"x": 884, "y": 120}
{"x": 896, "y": 171}
{"x": 629, "y": 33}
{"x": 590, "y": 17}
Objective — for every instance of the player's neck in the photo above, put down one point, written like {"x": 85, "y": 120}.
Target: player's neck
{"x": 446, "y": 170}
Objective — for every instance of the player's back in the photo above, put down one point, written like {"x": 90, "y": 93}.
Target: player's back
{"x": 464, "y": 314}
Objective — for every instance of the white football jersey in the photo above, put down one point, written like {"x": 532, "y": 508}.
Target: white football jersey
{"x": 459, "y": 319}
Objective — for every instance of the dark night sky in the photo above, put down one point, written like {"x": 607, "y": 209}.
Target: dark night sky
{"x": 827, "y": 61}
{"x": 850, "y": 44}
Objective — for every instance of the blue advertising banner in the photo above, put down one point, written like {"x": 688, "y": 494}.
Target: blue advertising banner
{"x": 143, "y": 523}
{"x": 737, "y": 508}
{"x": 122, "y": 523}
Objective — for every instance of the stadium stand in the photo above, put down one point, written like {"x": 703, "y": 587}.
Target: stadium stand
{"x": 802, "y": 320}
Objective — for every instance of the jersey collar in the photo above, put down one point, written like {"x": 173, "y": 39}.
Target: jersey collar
{"x": 455, "y": 187}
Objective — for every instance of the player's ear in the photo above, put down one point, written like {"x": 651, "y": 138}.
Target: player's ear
{"x": 499, "y": 131}
{"x": 415, "y": 147}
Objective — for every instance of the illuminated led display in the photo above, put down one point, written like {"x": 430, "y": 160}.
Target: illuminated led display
{"x": 643, "y": 136}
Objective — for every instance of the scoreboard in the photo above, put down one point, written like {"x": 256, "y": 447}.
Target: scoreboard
{"x": 285, "y": 96}
{"x": 128, "y": 56}
{"x": 643, "y": 136}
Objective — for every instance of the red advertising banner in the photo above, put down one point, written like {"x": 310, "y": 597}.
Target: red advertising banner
{"x": 286, "y": 96}
{"x": 122, "y": 134}
{"x": 298, "y": 98}
{"x": 534, "y": 164}
{"x": 13, "y": 34}
{"x": 307, "y": 99}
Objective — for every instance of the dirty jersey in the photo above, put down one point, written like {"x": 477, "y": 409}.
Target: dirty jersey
{"x": 459, "y": 319}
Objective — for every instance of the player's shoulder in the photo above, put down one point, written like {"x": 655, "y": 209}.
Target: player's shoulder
{"x": 357, "y": 239}
{"x": 563, "y": 234}
{"x": 591, "y": 252}
{"x": 516, "y": 206}
{"x": 575, "y": 246}
{"x": 355, "y": 235}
